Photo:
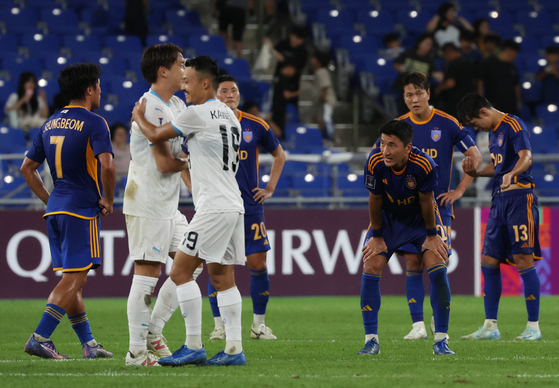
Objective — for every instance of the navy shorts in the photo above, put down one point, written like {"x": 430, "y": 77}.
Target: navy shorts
{"x": 74, "y": 242}
{"x": 443, "y": 229}
{"x": 513, "y": 226}
{"x": 256, "y": 237}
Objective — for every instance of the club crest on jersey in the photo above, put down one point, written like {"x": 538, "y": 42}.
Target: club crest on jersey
{"x": 411, "y": 182}
{"x": 436, "y": 134}
{"x": 247, "y": 135}
{"x": 371, "y": 182}
{"x": 501, "y": 139}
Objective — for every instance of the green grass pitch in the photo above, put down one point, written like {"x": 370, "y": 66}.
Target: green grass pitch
{"x": 318, "y": 340}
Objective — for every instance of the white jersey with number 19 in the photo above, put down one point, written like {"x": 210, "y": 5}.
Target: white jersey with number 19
{"x": 213, "y": 134}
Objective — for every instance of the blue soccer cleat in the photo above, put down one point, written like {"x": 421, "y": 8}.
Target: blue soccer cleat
{"x": 224, "y": 359}
{"x": 371, "y": 347}
{"x": 95, "y": 351}
{"x": 42, "y": 349}
{"x": 184, "y": 356}
{"x": 483, "y": 333}
{"x": 530, "y": 334}
{"x": 441, "y": 348}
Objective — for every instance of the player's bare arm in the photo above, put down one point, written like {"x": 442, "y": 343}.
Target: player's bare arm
{"x": 108, "y": 180}
{"x": 260, "y": 195}
{"x": 29, "y": 170}
{"x": 166, "y": 162}
{"x": 152, "y": 133}
{"x": 469, "y": 168}
{"x": 433, "y": 243}
{"x": 375, "y": 245}
{"x": 452, "y": 196}
{"x": 524, "y": 162}
{"x": 185, "y": 174}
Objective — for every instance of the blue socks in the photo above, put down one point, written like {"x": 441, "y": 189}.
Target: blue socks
{"x": 531, "y": 292}
{"x": 50, "y": 320}
{"x": 212, "y": 295}
{"x": 440, "y": 296}
{"x": 492, "y": 289}
{"x": 80, "y": 324}
{"x": 415, "y": 293}
{"x": 259, "y": 290}
{"x": 370, "y": 302}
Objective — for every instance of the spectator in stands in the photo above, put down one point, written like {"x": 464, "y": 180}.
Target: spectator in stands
{"x": 136, "y": 18}
{"x": 121, "y": 150}
{"x": 459, "y": 79}
{"x": 324, "y": 106}
{"x": 491, "y": 45}
{"x": 481, "y": 29}
{"x": 446, "y": 25}
{"x": 500, "y": 80}
{"x": 26, "y": 108}
{"x": 291, "y": 55}
{"x": 468, "y": 47}
{"x": 393, "y": 44}
{"x": 232, "y": 12}
{"x": 549, "y": 76}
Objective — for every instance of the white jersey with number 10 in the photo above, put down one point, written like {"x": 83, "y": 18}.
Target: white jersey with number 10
{"x": 214, "y": 136}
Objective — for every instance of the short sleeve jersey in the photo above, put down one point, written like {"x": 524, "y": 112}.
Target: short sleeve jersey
{"x": 146, "y": 184}
{"x": 70, "y": 141}
{"x": 213, "y": 134}
{"x": 437, "y": 137}
{"x": 255, "y": 132}
{"x": 505, "y": 142}
{"x": 400, "y": 189}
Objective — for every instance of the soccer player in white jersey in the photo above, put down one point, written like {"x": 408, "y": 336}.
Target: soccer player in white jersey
{"x": 154, "y": 232}
{"x": 216, "y": 232}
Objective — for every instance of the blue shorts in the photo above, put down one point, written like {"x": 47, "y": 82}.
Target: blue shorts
{"x": 256, "y": 238}
{"x": 405, "y": 235}
{"x": 443, "y": 229}
{"x": 74, "y": 243}
{"x": 513, "y": 226}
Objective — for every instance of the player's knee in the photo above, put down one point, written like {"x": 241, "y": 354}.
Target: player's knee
{"x": 414, "y": 264}
{"x": 257, "y": 264}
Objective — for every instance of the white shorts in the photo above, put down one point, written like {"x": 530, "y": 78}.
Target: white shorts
{"x": 151, "y": 239}
{"x": 216, "y": 238}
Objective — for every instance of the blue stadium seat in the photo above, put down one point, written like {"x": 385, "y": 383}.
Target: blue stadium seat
{"x": 292, "y": 168}
{"x": 118, "y": 113}
{"x": 153, "y": 39}
{"x": 304, "y": 139}
{"x": 548, "y": 118}
{"x": 15, "y": 64}
{"x": 353, "y": 187}
{"x": 183, "y": 21}
{"x": 14, "y": 188}
{"x": 79, "y": 43}
{"x": 238, "y": 68}
{"x": 357, "y": 44}
{"x": 535, "y": 23}
{"x": 354, "y": 5}
{"x": 204, "y": 44}
{"x": 19, "y": 20}
{"x": 547, "y": 186}
{"x": 40, "y": 44}
{"x": 531, "y": 89}
{"x": 376, "y": 22}
{"x": 111, "y": 66}
{"x": 8, "y": 43}
{"x": 60, "y": 20}
{"x": 337, "y": 22}
{"x": 549, "y": 40}
{"x": 51, "y": 88}
{"x": 283, "y": 186}
{"x": 252, "y": 90}
{"x": 94, "y": 16}
{"x": 530, "y": 63}
{"x": 413, "y": 20}
{"x": 122, "y": 45}
{"x": 384, "y": 73}
{"x": 502, "y": 24}
{"x": 133, "y": 63}
{"x": 128, "y": 92}
{"x": 530, "y": 44}
{"x": 544, "y": 142}
{"x": 33, "y": 133}
{"x": 12, "y": 141}
{"x": 317, "y": 186}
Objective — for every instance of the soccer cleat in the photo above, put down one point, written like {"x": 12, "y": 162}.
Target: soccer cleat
{"x": 371, "y": 347}
{"x": 218, "y": 333}
{"x": 224, "y": 359}
{"x": 262, "y": 332}
{"x": 95, "y": 351}
{"x": 145, "y": 358}
{"x": 530, "y": 334}
{"x": 441, "y": 348}
{"x": 417, "y": 332}
{"x": 42, "y": 349}
{"x": 184, "y": 356}
{"x": 483, "y": 333}
{"x": 158, "y": 345}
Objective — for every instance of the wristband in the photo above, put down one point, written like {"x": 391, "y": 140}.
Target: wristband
{"x": 377, "y": 232}
{"x": 432, "y": 232}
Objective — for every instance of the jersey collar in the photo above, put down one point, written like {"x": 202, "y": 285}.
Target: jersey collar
{"x": 158, "y": 96}
{"x": 423, "y": 122}
{"x": 500, "y": 121}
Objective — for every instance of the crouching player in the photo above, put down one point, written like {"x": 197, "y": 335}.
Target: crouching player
{"x": 401, "y": 180}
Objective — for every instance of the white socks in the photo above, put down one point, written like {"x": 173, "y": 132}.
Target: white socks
{"x": 369, "y": 337}
{"x": 230, "y": 306}
{"x": 258, "y": 319}
{"x": 490, "y": 324}
{"x": 534, "y": 325}
{"x": 139, "y": 311}
{"x": 190, "y": 301}
{"x": 165, "y": 306}
{"x": 218, "y": 322}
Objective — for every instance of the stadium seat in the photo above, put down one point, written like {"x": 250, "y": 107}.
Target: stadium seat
{"x": 60, "y": 20}
{"x": 16, "y": 187}
{"x": 549, "y": 40}
{"x": 413, "y": 21}
{"x": 531, "y": 89}
{"x": 535, "y": 23}
{"x": 122, "y": 45}
{"x": 238, "y": 68}
{"x": 133, "y": 63}
{"x": 303, "y": 138}
{"x": 337, "y": 22}
{"x": 546, "y": 116}
{"x": 82, "y": 43}
{"x": 117, "y": 113}
{"x": 19, "y": 20}
{"x": 351, "y": 185}
{"x": 501, "y": 24}
{"x": 313, "y": 185}
{"x": 153, "y": 39}
{"x": 51, "y": 88}
{"x": 94, "y": 16}
{"x": 252, "y": 90}
{"x": 282, "y": 187}
{"x": 12, "y": 141}
{"x": 8, "y": 43}
{"x": 547, "y": 186}
{"x": 39, "y": 44}
{"x": 375, "y": 22}
{"x": 544, "y": 142}
{"x": 204, "y": 44}
{"x": 183, "y": 21}
{"x": 356, "y": 44}
{"x": 15, "y": 64}
{"x": 529, "y": 44}
{"x": 112, "y": 66}
{"x": 126, "y": 90}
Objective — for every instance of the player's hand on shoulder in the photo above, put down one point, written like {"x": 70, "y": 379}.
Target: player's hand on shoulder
{"x": 373, "y": 247}
{"x": 139, "y": 110}
{"x": 436, "y": 245}
{"x": 106, "y": 206}
{"x": 261, "y": 194}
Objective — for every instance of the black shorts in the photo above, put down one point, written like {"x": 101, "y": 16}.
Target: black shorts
{"x": 235, "y": 16}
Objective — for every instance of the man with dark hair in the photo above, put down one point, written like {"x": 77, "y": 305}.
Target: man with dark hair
{"x": 492, "y": 43}
{"x": 499, "y": 80}
{"x": 255, "y": 133}
{"x": 77, "y": 146}
{"x": 511, "y": 235}
{"x": 216, "y": 232}
{"x": 549, "y": 76}
{"x": 401, "y": 180}
{"x": 393, "y": 45}
{"x": 154, "y": 232}
{"x": 468, "y": 47}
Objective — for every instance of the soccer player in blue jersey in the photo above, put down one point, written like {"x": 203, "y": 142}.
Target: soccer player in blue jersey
{"x": 437, "y": 134}
{"x": 255, "y": 133}
{"x": 401, "y": 180}
{"x": 511, "y": 236}
{"x": 77, "y": 146}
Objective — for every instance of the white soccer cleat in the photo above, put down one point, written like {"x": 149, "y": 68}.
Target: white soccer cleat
{"x": 417, "y": 332}
{"x": 262, "y": 332}
{"x": 218, "y": 333}
{"x": 530, "y": 334}
{"x": 483, "y": 333}
{"x": 158, "y": 344}
{"x": 145, "y": 358}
